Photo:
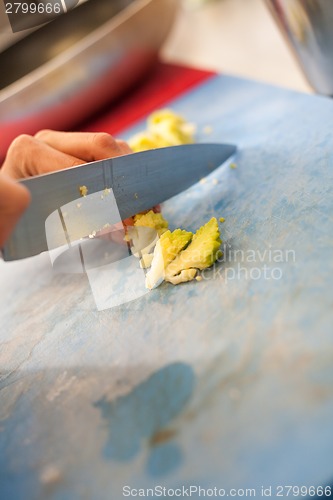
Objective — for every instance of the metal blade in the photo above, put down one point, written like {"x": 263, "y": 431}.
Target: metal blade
{"x": 138, "y": 181}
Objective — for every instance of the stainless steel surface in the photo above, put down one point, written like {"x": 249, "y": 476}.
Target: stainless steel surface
{"x": 139, "y": 181}
{"x": 67, "y": 69}
{"x": 7, "y": 37}
{"x": 308, "y": 28}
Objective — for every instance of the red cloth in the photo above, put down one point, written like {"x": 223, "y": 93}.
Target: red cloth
{"x": 162, "y": 84}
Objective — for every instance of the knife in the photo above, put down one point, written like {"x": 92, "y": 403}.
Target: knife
{"x": 138, "y": 181}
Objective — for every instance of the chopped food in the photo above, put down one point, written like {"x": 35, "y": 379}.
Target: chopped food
{"x": 153, "y": 220}
{"x": 142, "y": 240}
{"x": 83, "y": 190}
{"x": 143, "y": 141}
{"x": 202, "y": 252}
{"x": 167, "y": 248}
{"x": 171, "y": 127}
{"x": 178, "y": 255}
{"x": 233, "y": 165}
{"x": 183, "y": 276}
{"x": 222, "y": 219}
{"x": 174, "y": 242}
{"x": 155, "y": 275}
{"x": 146, "y": 260}
{"x": 164, "y": 128}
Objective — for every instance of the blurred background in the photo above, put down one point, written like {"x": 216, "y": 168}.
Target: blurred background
{"x": 233, "y": 36}
{"x": 59, "y": 73}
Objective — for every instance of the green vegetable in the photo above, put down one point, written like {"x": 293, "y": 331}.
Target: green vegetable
{"x": 202, "y": 252}
{"x": 167, "y": 248}
{"x": 174, "y": 242}
{"x": 153, "y": 220}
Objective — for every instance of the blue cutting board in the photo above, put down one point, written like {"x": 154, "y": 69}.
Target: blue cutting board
{"x": 224, "y": 383}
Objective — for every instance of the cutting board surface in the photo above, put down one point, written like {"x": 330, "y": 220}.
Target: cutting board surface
{"x": 227, "y": 382}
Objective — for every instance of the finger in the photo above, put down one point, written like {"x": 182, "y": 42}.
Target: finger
{"x": 14, "y": 199}
{"x": 125, "y": 148}
{"x": 27, "y": 156}
{"x": 86, "y": 145}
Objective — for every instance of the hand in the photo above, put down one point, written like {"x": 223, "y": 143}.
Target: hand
{"x": 47, "y": 151}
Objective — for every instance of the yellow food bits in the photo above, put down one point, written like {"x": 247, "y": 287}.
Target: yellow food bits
{"x": 83, "y": 190}
{"x": 164, "y": 128}
{"x": 151, "y": 219}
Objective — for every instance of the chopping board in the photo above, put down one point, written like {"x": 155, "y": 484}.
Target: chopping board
{"x": 224, "y": 383}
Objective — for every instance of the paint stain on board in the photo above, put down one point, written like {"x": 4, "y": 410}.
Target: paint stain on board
{"x": 142, "y": 417}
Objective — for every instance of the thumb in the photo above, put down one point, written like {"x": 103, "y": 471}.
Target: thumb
{"x": 14, "y": 199}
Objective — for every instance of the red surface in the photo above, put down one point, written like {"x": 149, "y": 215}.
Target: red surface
{"x": 66, "y": 114}
{"x": 162, "y": 84}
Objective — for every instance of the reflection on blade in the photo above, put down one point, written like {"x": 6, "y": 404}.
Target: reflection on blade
{"x": 83, "y": 217}
{"x": 106, "y": 252}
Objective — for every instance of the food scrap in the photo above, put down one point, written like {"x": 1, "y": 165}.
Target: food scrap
{"x": 202, "y": 251}
{"x": 146, "y": 260}
{"x": 207, "y": 129}
{"x": 167, "y": 248}
{"x": 164, "y": 128}
{"x": 233, "y": 165}
{"x": 178, "y": 255}
{"x": 142, "y": 242}
{"x": 153, "y": 220}
{"x": 83, "y": 190}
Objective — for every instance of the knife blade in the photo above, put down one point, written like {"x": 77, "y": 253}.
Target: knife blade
{"x": 138, "y": 181}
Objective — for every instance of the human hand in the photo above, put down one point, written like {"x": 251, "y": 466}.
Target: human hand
{"x": 50, "y": 150}
{"x": 47, "y": 151}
